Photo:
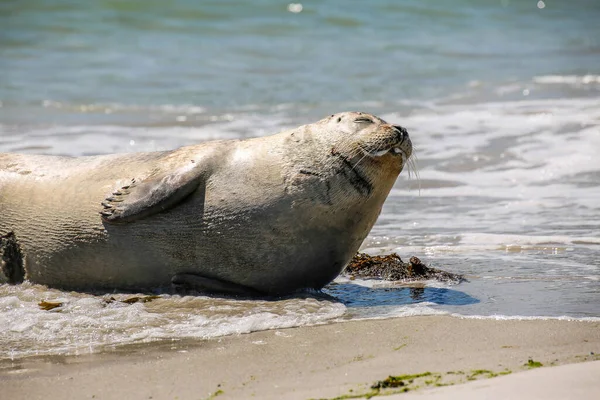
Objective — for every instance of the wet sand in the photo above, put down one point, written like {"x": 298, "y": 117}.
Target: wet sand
{"x": 327, "y": 361}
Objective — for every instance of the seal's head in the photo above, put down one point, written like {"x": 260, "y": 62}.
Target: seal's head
{"x": 373, "y": 136}
{"x": 368, "y": 143}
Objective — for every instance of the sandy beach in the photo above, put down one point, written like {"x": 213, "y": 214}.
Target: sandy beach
{"x": 342, "y": 360}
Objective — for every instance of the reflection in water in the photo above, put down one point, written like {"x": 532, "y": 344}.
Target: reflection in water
{"x": 353, "y": 295}
{"x": 417, "y": 294}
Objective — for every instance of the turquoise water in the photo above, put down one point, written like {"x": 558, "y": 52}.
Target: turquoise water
{"x": 231, "y": 55}
{"x": 501, "y": 98}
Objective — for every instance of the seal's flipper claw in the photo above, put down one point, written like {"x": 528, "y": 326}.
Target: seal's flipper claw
{"x": 158, "y": 193}
{"x": 203, "y": 284}
{"x": 11, "y": 260}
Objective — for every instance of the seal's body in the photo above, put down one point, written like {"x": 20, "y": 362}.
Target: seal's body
{"x": 266, "y": 215}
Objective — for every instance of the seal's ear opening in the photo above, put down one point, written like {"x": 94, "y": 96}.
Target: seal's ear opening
{"x": 11, "y": 260}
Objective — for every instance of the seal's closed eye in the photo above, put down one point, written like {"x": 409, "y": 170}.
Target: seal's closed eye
{"x": 364, "y": 120}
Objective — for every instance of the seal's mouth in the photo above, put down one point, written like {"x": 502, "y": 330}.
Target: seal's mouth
{"x": 396, "y": 142}
{"x": 394, "y": 150}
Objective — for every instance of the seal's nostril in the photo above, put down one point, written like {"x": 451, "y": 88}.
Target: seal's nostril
{"x": 400, "y": 133}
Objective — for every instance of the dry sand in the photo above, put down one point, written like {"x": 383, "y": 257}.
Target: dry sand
{"x": 574, "y": 381}
{"x": 343, "y": 359}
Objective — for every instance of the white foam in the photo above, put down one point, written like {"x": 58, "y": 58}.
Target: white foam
{"x": 559, "y": 135}
{"x": 118, "y": 107}
{"x": 526, "y": 318}
{"x": 568, "y": 79}
{"x": 385, "y": 312}
{"x": 491, "y": 240}
{"x": 512, "y": 164}
{"x": 414, "y": 310}
{"x": 77, "y": 140}
{"x": 87, "y": 324}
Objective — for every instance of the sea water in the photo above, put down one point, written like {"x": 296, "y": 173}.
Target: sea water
{"x": 501, "y": 99}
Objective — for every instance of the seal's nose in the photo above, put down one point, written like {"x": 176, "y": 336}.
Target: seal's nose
{"x": 401, "y": 133}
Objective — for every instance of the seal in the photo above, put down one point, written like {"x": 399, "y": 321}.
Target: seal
{"x": 267, "y": 215}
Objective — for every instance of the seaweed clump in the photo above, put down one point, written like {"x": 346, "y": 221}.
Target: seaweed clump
{"x": 49, "y": 305}
{"x": 391, "y": 268}
{"x": 398, "y": 381}
{"x": 533, "y": 364}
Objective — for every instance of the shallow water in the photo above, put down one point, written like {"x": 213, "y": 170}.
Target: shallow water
{"x": 501, "y": 98}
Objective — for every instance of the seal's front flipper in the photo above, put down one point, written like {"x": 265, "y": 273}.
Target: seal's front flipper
{"x": 202, "y": 284}
{"x": 152, "y": 195}
{"x": 11, "y": 260}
